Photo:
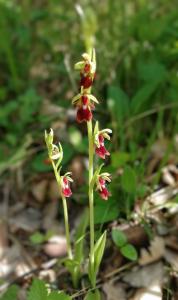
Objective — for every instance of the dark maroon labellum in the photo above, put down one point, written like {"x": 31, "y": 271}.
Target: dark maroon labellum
{"x": 86, "y": 81}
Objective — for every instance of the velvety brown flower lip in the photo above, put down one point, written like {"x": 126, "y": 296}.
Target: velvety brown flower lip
{"x": 84, "y": 113}
{"x": 86, "y": 81}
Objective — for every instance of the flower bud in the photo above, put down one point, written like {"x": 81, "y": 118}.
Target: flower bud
{"x": 49, "y": 136}
{"x": 54, "y": 152}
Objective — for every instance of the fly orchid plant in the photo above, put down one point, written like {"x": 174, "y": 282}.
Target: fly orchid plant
{"x": 55, "y": 154}
{"x": 85, "y": 103}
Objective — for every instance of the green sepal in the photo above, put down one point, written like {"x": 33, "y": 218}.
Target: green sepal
{"x": 79, "y": 65}
{"x": 95, "y": 176}
{"x": 61, "y": 156}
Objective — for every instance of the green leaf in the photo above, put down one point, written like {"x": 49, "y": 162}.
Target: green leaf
{"x": 99, "y": 251}
{"x": 79, "y": 237}
{"x": 39, "y": 162}
{"x": 151, "y": 71}
{"x": 119, "y": 238}
{"x": 11, "y": 293}
{"x": 58, "y": 296}
{"x": 17, "y": 158}
{"x": 8, "y": 108}
{"x": 118, "y": 103}
{"x": 74, "y": 268}
{"x": 118, "y": 159}
{"x": 93, "y": 295}
{"x": 95, "y": 260}
{"x": 70, "y": 263}
{"x": 105, "y": 211}
{"x": 129, "y": 252}
{"x": 142, "y": 190}
{"x": 68, "y": 151}
{"x": 38, "y": 290}
{"x": 141, "y": 100}
{"x": 75, "y": 136}
{"x": 128, "y": 180}
{"x": 97, "y": 172}
{"x": 29, "y": 104}
{"x": 37, "y": 238}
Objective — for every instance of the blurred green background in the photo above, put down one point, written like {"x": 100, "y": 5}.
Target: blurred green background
{"x": 136, "y": 43}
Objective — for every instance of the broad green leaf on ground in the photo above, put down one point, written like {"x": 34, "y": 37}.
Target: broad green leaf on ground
{"x": 38, "y": 290}
{"x": 129, "y": 252}
{"x": 58, "y": 296}
{"x": 118, "y": 103}
{"x": 128, "y": 180}
{"x": 11, "y": 293}
{"x": 93, "y": 295}
{"x": 119, "y": 237}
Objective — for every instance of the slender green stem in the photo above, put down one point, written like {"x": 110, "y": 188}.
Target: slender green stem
{"x": 66, "y": 219}
{"x": 90, "y": 192}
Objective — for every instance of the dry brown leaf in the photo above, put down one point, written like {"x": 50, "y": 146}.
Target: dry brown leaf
{"x": 3, "y": 238}
{"x": 145, "y": 276}
{"x": 154, "y": 253}
{"x": 77, "y": 169}
{"x": 163, "y": 195}
{"x": 48, "y": 108}
{"x": 9, "y": 261}
{"x": 114, "y": 291}
{"x": 50, "y": 213}
{"x": 48, "y": 275}
{"x": 53, "y": 190}
{"x": 172, "y": 242}
{"x": 22, "y": 268}
{"x": 172, "y": 258}
{"x": 29, "y": 220}
{"x": 153, "y": 292}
